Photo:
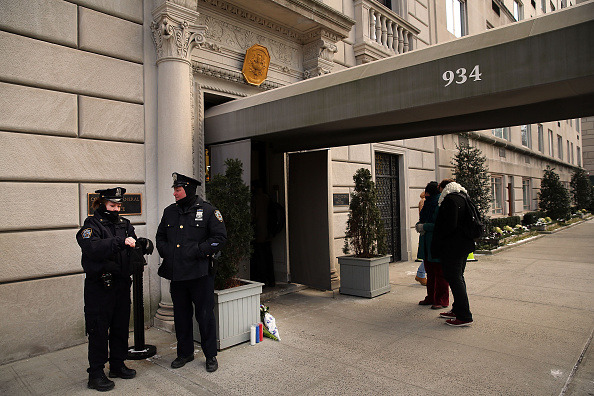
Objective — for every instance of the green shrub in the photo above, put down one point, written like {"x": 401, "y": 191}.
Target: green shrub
{"x": 501, "y": 222}
{"x": 553, "y": 197}
{"x": 532, "y": 217}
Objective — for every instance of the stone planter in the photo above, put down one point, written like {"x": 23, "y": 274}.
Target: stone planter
{"x": 236, "y": 309}
{"x": 540, "y": 228}
{"x": 364, "y": 277}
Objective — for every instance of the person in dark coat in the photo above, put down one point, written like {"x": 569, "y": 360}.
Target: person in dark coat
{"x": 190, "y": 233}
{"x": 452, "y": 247}
{"x": 438, "y": 293}
{"x": 105, "y": 240}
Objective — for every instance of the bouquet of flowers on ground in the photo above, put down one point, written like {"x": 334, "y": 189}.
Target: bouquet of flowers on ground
{"x": 269, "y": 322}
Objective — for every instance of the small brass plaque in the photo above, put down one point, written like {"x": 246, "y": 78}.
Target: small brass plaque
{"x": 132, "y": 205}
{"x": 255, "y": 64}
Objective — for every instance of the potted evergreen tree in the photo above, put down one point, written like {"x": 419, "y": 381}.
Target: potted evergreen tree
{"x": 237, "y": 301}
{"x": 366, "y": 272}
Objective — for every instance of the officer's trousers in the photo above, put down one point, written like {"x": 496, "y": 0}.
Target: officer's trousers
{"x": 200, "y": 292}
{"x": 107, "y": 319}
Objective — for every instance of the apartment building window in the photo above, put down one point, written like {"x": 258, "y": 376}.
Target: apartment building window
{"x": 552, "y": 7}
{"x": 497, "y": 194}
{"x": 496, "y": 8}
{"x": 559, "y": 147}
{"x": 577, "y": 124}
{"x": 518, "y": 10}
{"x": 572, "y": 158}
{"x": 551, "y": 147}
{"x": 526, "y": 131}
{"x": 502, "y": 133}
{"x": 456, "y": 17}
{"x": 540, "y": 139}
{"x": 563, "y": 3}
{"x": 568, "y": 152}
{"x": 543, "y": 5}
{"x": 526, "y": 194}
{"x": 579, "y": 156}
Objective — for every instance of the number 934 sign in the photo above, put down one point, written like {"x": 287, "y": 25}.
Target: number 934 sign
{"x": 460, "y": 76}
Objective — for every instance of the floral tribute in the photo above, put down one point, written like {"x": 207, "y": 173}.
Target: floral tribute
{"x": 270, "y": 329}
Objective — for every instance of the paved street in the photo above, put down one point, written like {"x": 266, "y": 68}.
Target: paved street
{"x": 532, "y": 304}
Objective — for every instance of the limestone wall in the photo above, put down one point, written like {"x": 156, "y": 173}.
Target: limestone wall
{"x": 71, "y": 121}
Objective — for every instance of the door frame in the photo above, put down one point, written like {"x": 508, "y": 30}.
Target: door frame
{"x": 403, "y": 187}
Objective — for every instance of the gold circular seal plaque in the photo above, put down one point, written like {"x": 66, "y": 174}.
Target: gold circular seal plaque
{"x": 255, "y": 64}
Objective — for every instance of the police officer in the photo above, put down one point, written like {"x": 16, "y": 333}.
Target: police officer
{"x": 106, "y": 240}
{"x": 190, "y": 232}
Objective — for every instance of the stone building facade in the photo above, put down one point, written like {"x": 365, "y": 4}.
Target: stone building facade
{"x": 97, "y": 93}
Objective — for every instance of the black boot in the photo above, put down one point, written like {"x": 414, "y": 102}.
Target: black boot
{"x": 181, "y": 361}
{"x": 121, "y": 372}
{"x": 100, "y": 382}
{"x": 212, "y": 364}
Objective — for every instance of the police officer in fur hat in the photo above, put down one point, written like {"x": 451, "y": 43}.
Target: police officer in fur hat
{"x": 190, "y": 232}
{"x": 106, "y": 239}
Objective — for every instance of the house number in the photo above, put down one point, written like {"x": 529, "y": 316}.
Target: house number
{"x": 460, "y": 76}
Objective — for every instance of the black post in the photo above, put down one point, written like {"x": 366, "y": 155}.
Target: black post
{"x": 139, "y": 350}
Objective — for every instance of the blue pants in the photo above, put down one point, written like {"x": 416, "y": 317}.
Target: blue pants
{"x": 421, "y": 270}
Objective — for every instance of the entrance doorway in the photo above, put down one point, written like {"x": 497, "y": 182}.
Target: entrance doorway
{"x": 308, "y": 222}
{"x": 388, "y": 187}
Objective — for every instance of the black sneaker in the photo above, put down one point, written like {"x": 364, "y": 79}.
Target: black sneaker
{"x": 101, "y": 383}
{"x": 121, "y": 372}
{"x": 181, "y": 361}
{"x": 212, "y": 364}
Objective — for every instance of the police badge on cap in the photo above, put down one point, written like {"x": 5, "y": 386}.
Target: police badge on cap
{"x": 180, "y": 180}
{"x": 115, "y": 194}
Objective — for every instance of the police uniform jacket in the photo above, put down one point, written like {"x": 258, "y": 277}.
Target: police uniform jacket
{"x": 187, "y": 237}
{"x": 103, "y": 247}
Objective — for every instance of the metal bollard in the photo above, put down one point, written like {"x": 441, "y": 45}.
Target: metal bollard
{"x": 140, "y": 350}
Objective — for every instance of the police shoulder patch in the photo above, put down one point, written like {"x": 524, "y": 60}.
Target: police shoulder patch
{"x": 86, "y": 234}
{"x": 218, "y": 215}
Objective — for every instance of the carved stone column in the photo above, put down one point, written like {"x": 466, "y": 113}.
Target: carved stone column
{"x": 174, "y": 35}
{"x": 318, "y": 53}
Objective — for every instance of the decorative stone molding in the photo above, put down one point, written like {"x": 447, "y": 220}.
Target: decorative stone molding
{"x": 223, "y": 36}
{"x": 228, "y": 75}
{"x": 174, "y": 32}
{"x": 318, "y": 55}
{"x": 315, "y": 11}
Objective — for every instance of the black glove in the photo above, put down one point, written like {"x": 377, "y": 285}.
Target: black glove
{"x": 145, "y": 245}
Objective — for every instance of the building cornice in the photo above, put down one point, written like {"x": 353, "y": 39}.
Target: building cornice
{"x": 334, "y": 23}
{"x": 483, "y": 137}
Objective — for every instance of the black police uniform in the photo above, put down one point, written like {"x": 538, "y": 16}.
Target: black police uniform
{"x": 186, "y": 238}
{"x": 105, "y": 260}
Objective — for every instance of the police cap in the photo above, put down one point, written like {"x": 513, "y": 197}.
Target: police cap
{"x": 180, "y": 180}
{"x": 115, "y": 194}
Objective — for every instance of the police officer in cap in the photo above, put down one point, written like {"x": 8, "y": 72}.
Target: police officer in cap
{"x": 190, "y": 232}
{"x": 106, "y": 239}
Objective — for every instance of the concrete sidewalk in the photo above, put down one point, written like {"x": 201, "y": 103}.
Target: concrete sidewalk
{"x": 533, "y": 309}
